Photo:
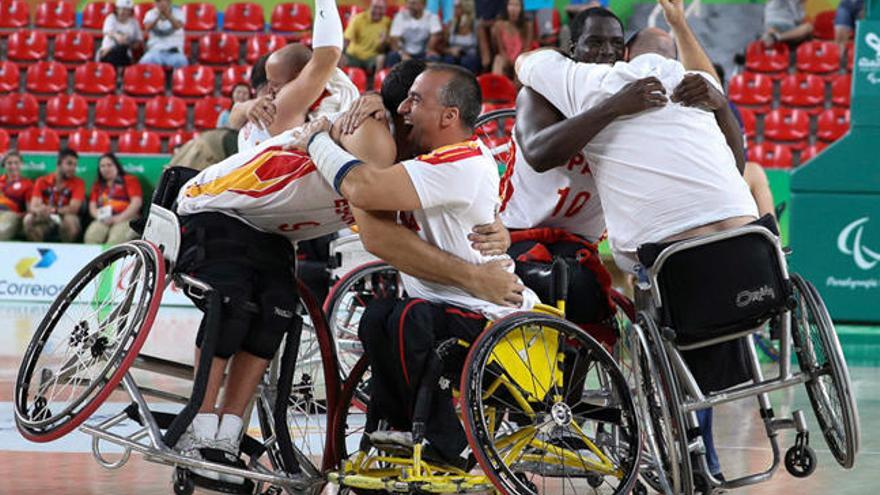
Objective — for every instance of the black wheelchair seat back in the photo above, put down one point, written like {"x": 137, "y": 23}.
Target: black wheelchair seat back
{"x": 721, "y": 288}
{"x": 165, "y": 195}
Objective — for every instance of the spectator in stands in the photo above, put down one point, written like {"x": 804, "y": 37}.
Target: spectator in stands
{"x": 366, "y": 37}
{"x": 164, "y": 24}
{"x": 461, "y": 43}
{"x": 122, "y": 33}
{"x": 848, "y": 11}
{"x": 511, "y": 35}
{"x": 14, "y": 193}
{"x": 415, "y": 33}
{"x": 53, "y": 211}
{"x": 785, "y": 21}
{"x": 241, "y": 93}
{"x": 116, "y": 199}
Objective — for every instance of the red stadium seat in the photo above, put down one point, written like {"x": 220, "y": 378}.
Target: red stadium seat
{"x": 751, "y": 90}
{"x": 74, "y": 47}
{"x": 818, "y": 57}
{"x": 141, "y": 9}
{"x": 143, "y": 81}
{"x": 134, "y": 141}
{"x": 93, "y": 15}
{"x": 207, "y": 109}
{"x": 19, "y": 110}
{"x": 46, "y": 79}
{"x": 232, "y": 75}
{"x": 193, "y": 81}
{"x": 116, "y": 112}
{"x": 346, "y": 12}
{"x": 165, "y": 113}
{"x": 392, "y": 10}
{"x": 4, "y": 140}
{"x": 773, "y": 60}
{"x": 749, "y": 121}
{"x": 218, "y": 49}
{"x": 358, "y": 76}
{"x": 823, "y": 25}
{"x": 379, "y": 77}
{"x": 55, "y": 14}
{"x": 547, "y": 26}
{"x": 27, "y": 46}
{"x": 94, "y": 79}
{"x": 291, "y": 18}
{"x": 14, "y": 14}
{"x": 180, "y": 138}
{"x": 67, "y": 111}
{"x": 841, "y": 90}
{"x": 497, "y": 88}
{"x": 805, "y": 91}
{"x": 9, "y": 76}
{"x": 771, "y": 155}
{"x": 38, "y": 139}
{"x": 785, "y": 124}
{"x": 199, "y": 17}
{"x": 833, "y": 123}
{"x": 244, "y": 16}
{"x": 811, "y": 151}
{"x": 850, "y": 54}
{"x": 89, "y": 141}
{"x": 261, "y": 44}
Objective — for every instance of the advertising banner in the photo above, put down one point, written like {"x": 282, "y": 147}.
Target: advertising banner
{"x": 147, "y": 168}
{"x": 38, "y": 271}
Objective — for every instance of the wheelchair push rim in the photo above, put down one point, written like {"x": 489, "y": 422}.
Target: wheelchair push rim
{"x": 94, "y": 343}
{"x": 537, "y": 420}
{"x": 821, "y": 358}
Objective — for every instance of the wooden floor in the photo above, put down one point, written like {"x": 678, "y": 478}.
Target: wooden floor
{"x": 65, "y": 467}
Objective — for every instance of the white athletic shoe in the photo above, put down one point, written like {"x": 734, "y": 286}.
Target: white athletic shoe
{"x": 188, "y": 445}
{"x": 231, "y": 452}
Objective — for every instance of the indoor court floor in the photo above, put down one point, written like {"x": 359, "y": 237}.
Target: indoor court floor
{"x": 66, "y": 466}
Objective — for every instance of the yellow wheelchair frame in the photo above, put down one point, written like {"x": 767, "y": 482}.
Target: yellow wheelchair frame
{"x": 414, "y": 473}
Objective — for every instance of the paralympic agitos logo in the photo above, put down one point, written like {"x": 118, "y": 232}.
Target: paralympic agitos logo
{"x": 25, "y": 266}
{"x": 849, "y": 242}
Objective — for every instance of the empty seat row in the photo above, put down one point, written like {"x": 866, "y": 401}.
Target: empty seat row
{"x": 793, "y": 126}
{"x": 755, "y": 91}
{"x": 91, "y": 140}
{"x": 775, "y": 155}
{"x": 815, "y": 57}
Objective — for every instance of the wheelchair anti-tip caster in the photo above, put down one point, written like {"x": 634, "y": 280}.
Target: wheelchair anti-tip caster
{"x": 183, "y": 483}
{"x": 595, "y": 481}
{"x": 800, "y": 459}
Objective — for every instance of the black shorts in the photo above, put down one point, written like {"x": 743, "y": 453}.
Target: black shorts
{"x": 254, "y": 273}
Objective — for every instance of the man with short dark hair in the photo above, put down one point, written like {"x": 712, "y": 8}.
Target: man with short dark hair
{"x": 441, "y": 194}
{"x": 54, "y": 206}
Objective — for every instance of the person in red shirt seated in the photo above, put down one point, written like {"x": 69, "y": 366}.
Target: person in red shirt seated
{"x": 14, "y": 193}
{"x": 53, "y": 211}
{"x": 116, "y": 198}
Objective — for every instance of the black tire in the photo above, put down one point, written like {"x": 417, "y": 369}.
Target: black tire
{"x": 821, "y": 358}
{"x": 594, "y": 400}
{"x": 495, "y": 129}
{"x": 93, "y": 348}
{"x": 800, "y": 463}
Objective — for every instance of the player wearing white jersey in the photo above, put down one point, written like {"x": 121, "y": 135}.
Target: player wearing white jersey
{"x": 441, "y": 194}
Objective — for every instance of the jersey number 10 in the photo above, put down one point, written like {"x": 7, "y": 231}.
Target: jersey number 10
{"x": 577, "y": 202}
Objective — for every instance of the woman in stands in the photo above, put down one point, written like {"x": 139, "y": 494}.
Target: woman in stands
{"x": 511, "y": 35}
{"x": 115, "y": 200}
{"x": 241, "y": 92}
{"x": 122, "y": 33}
{"x": 461, "y": 41}
{"x": 15, "y": 191}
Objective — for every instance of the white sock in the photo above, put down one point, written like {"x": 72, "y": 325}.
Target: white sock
{"x": 230, "y": 427}
{"x": 205, "y": 425}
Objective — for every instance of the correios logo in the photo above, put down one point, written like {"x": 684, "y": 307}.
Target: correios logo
{"x": 849, "y": 242}
{"x": 25, "y": 267}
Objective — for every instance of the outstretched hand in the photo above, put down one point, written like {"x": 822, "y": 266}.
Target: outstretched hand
{"x": 695, "y": 91}
{"x": 673, "y": 11}
{"x": 495, "y": 284}
{"x": 300, "y": 137}
{"x": 639, "y": 96}
{"x": 262, "y": 112}
{"x": 365, "y": 107}
{"x": 491, "y": 239}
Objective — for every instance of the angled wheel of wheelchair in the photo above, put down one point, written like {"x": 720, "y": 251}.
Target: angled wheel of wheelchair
{"x": 821, "y": 358}
{"x": 546, "y": 408}
{"x": 345, "y": 304}
{"x": 88, "y": 339}
{"x": 495, "y": 129}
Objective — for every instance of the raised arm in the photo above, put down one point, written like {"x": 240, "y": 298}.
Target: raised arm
{"x": 690, "y": 52}
{"x": 294, "y": 99}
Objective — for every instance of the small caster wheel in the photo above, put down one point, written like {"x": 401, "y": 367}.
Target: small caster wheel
{"x": 595, "y": 480}
{"x": 639, "y": 489}
{"x": 183, "y": 483}
{"x": 701, "y": 484}
{"x": 800, "y": 461}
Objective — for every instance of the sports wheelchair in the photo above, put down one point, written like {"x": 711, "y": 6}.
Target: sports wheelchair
{"x": 718, "y": 288}
{"x": 89, "y": 342}
{"x": 544, "y": 406}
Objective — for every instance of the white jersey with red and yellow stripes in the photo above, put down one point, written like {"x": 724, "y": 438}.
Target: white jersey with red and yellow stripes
{"x": 274, "y": 190}
{"x": 564, "y": 197}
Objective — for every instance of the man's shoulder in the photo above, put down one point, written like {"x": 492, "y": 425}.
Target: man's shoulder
{"x": 452, "y": 153}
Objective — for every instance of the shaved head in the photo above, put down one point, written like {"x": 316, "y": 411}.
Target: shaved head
{"x": 285, "y": 64}
{"x": 652, "y": 40}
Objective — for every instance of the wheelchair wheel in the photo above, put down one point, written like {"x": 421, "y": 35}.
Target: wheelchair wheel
{"x": 350, "y": 420}
{"x": 345, "y": 305}
{"x": 821, "y": 358}
{"x": 88, "y": 339}
{"x": 495, "y": 129}
{"x": 546, "y": 409}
